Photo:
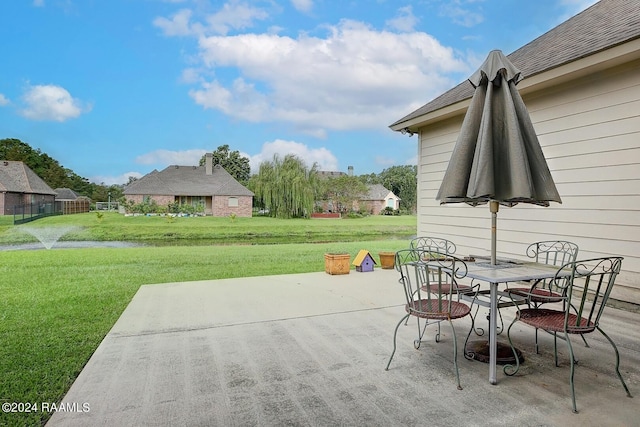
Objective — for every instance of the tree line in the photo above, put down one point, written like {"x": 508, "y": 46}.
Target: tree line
{"x": 54, "y": 174}
{"x": 286, "y": 186}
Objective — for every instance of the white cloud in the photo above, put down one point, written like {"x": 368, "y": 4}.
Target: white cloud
{"x": 323, "y": 157}
{"x": 354, "y": 78}
{"x": 234, "y": 15}
{"x": 3, "y": 100}
{"x": 461, "y": 16}
{"x": 178, "y": 25}
{"x": 302, "y": 5}
{"x": 405, "y": 21}
{"x": 51, "y": 102}
{"x": 165, "y": 158}
{"x": 115, "y": 180}
{"x": 38, "y": 3}
{"x": 190, "y": 75}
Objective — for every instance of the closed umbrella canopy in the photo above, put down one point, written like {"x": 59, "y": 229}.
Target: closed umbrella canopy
{"x": 497, "y": 157}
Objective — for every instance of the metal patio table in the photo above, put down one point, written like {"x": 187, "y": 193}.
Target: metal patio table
{"x": 505, "y": 271}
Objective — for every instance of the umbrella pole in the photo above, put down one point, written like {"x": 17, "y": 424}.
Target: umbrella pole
{"x": 493, "y": 207}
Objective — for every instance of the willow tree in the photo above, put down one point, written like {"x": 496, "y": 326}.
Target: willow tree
{"x": 286, "y": 186}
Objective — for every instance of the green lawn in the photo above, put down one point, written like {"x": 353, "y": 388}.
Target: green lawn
{"x": 57, "y": 305}
{"x": 207, "y": 230}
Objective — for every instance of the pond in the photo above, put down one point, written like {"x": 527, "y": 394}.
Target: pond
{"x": 254, "y": 240}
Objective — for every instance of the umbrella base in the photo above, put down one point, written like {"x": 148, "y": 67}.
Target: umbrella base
{"x": 479, "y": 350}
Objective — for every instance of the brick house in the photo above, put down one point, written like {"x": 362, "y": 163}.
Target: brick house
{"x": 377, "y": 199}
{"x": 20, "y": 186}
{"x": 209, "y": 186}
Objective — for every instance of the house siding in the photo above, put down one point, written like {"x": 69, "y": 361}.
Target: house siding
{"x": 221, "y": 206}
{"x": 161, "y": 200}
{"x": 373, "y": 207}
{"x": 589, "y": 130}
{"x": 10, "y": 200}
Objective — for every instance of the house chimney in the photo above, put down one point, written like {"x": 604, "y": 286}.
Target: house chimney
{"x": 350, "y": 169}
{"x": 208, "y": 163}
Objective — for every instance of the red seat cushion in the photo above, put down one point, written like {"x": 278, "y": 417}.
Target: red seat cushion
{"x": 429, "y": 309}
{"x": 446, "y": 288}
{"x": 553, "y": 320}
{"x": 548, "y": 295}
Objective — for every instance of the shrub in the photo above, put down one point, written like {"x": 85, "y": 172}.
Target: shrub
{"x": 389, "y": 211}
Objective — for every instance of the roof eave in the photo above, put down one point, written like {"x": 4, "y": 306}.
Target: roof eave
{"x": 608, "y": 58}
{"x": 414, "y": 123}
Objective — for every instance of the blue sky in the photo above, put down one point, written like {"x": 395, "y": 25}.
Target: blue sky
{"x": 118, "y": 88}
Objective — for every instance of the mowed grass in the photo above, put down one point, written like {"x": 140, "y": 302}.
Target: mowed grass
{"x": 57, "y": 305}
{"x": 189, "y": 230}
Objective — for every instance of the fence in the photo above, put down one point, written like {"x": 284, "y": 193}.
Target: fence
{"x": 106, "y": 206}
{"x": 74, "y": 206}
{"x": 33, "y": 211}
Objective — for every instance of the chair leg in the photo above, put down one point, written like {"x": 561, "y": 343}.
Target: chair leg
{"x": 615, "y": 348}
{"x": 537, "y": 352}
{"x": 468, "y": 355}
{"x": 455, "y": 354}
{"x": 478, "y": 331}
{"x": 395, "y": 334}
{"x": 421, "y": 331}
{"x": 509, "y": 369}
{"x": 586, "y": 344}
{"x": 571, "y": 372}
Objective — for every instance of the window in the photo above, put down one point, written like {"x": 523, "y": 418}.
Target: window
{"x": 233, "y": 202}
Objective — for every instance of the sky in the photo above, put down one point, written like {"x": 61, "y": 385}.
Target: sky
{"x": 118, "y": 88}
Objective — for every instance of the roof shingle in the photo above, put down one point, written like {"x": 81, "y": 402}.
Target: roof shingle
{"x": 16, "y": 177}
{"x": 188, "y": 181}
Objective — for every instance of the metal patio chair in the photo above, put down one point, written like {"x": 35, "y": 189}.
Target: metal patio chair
{"x": 583, "y": 288}
{"x": 437, "y": 244}
{"x": 442, "y": 246}
{"x": 551, "y": 252}
{"x": 430, "y": 283}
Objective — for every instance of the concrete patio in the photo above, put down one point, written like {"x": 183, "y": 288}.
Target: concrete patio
{"x": 310, "y": 350}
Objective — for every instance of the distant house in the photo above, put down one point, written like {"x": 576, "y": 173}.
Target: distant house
{"x": 71, "y": 202}
{"x": 66, "y": 194}
{"x": 582, "y": 89}
{"x": 209, "y": 186}
{"x": 374, "y": 202}
{"x": 20, "y": 186}
{"x": 377, "y": 199}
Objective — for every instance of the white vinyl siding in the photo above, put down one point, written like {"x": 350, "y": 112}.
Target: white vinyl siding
{"x": 589, "y": 130}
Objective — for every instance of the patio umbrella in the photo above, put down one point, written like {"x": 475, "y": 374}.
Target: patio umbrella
{"x": 497, "y": 158}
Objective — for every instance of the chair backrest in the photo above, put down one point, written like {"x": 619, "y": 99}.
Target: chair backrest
{"x": 553, "y": 252}
{"x": 427, "y": 275}
{"x": 587, "y": 290}
{"x": 436, "y": 244}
